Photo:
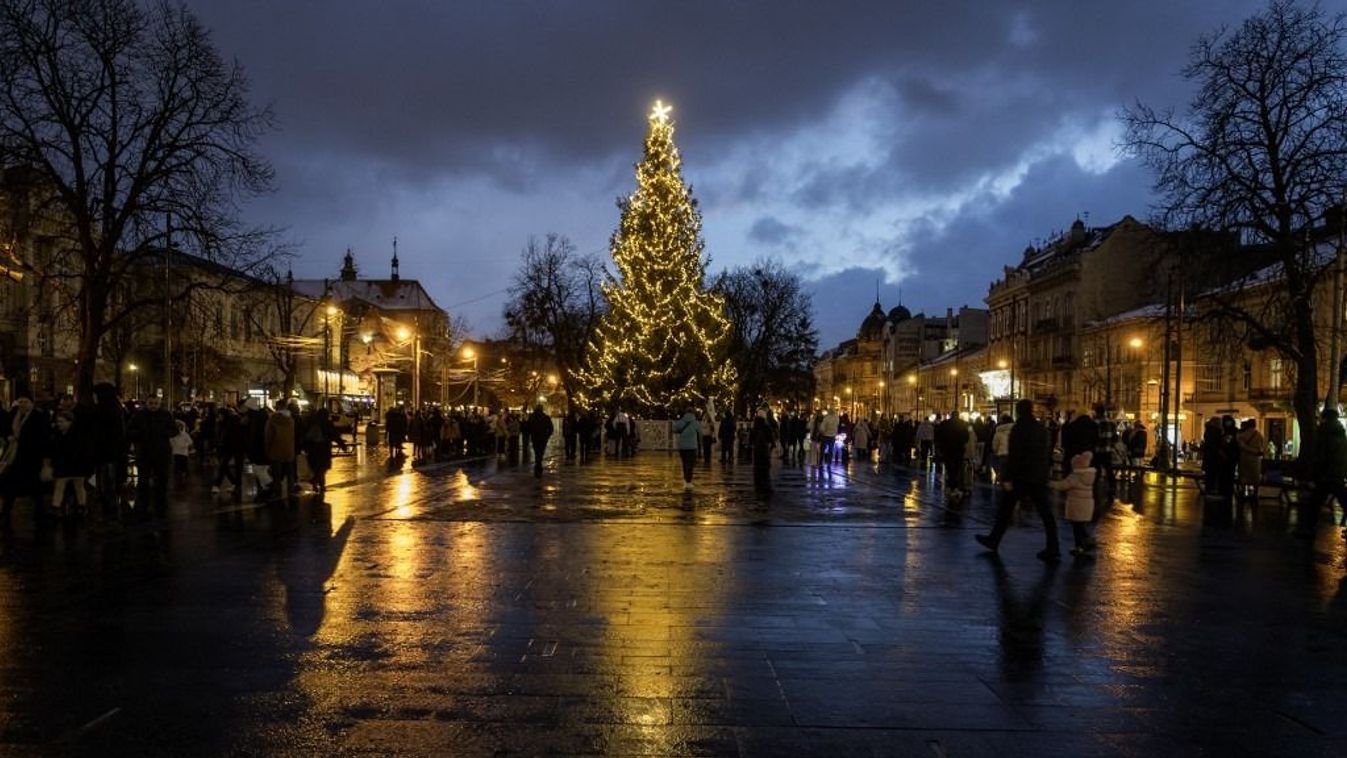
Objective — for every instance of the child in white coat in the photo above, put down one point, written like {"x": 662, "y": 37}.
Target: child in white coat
{"x": 1079, "y": 489}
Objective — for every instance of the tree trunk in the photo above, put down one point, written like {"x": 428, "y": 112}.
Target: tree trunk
{"x": 93, "y": 308}
{"x": 1306, "y": 398}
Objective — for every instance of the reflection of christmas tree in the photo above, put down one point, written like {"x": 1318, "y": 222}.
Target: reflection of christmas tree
{"x": 663, "y": 341}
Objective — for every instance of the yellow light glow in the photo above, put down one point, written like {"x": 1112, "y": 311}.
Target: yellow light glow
{"x": 660, "y": 112}
{"x": 911, "y": 378}
{"x": 954, "y": 372}
{"x": 404, "y": 333}
{"x": 468, "y": 353}
{"x": 1002, "y": 363}
{"x": 1136, "y": 342}
{"x": 332, "y": 310}
{"x": 134, "y": 367}
{"x": 552, "y": 378}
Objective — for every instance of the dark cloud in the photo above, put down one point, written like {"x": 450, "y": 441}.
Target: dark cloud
{"x": 920, "y": 140}
{"x": 770, "y": 231}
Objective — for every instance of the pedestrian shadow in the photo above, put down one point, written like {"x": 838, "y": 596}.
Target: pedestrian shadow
{"x": 305, "y": 570}
{"x": 1021, "y": 618}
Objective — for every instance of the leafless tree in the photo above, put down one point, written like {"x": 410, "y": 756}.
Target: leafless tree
{"x": 556, "y": 302}
{"x": 772, "y": 334}
{"x": 282, "y": 318}
{"x": 141, "y": 139}
{"x": 1261, "y": 152}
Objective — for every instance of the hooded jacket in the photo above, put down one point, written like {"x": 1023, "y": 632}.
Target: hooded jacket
{"x": 1079, "y": 488}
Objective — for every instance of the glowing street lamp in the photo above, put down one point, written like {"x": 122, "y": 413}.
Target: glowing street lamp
{"x": 135, "y": 372}
{"x": 470, "y": 354}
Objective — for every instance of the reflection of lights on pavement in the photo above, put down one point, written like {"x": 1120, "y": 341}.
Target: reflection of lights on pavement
{"x": 402, "y": 496}
{"x": 463, "y": 488}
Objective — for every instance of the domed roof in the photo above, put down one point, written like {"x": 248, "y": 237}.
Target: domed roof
{"x": 872, "y": 328}
{"x": 899, "y": 313}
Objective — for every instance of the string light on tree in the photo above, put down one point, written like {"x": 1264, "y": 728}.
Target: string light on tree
{"x": 664, "y": 338}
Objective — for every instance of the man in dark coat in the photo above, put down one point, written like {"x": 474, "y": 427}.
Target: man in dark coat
{"x": 1080, "y": 435}
{"x": 726, "y": 433}
{"x": 149, "y": 431}
{"x": 230, "y": 448}
{"x": 538, "y": 429}
{"x": 1028, "y": 468}
{"x": 395, "y": 426}
{"x": 570, "y": 433}
{"x": 108, "y": 433}
{"x": 26, "y": 436}
{"x": 1330, "y": 472}
{"x": 761, "y": 438}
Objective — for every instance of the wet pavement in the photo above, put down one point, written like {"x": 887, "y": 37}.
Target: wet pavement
{"x": 468, "y": 609}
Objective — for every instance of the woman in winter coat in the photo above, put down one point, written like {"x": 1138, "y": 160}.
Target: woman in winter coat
{"x": 1252, "y": 447}
{"x": 1079, "y": 489}
{"x": 860, "y": 440}
{"x": 689, "y": 433}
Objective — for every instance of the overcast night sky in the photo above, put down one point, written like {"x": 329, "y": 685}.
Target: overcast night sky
{"x": 921, "y": 143}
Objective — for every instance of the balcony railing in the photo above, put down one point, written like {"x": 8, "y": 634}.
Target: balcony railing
{"x": 1270, "y": 393}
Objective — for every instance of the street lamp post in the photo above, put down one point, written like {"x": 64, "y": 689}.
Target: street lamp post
{"x": 1136, "y": 344}
{"x": 471, "y": 354}
{"x": 135, "y": 372}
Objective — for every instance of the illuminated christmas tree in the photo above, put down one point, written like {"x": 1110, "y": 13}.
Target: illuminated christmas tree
{"x": 662, "y": 343}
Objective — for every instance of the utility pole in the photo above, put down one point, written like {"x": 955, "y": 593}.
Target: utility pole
{"x": 1178, "y": 370}
{"x": 1162, "y": 443}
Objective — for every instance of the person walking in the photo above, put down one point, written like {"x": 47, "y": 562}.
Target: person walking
{"x": 254, "y": 419}
{"x": 707, "y": 421}
{"x": 1079, "y": 435}
{"x": 689, "y": 439}
{"x": 70, "y": 461}
{"x": 395, "y": 427}
{"x": 925, "y": 439}
{"x": 727, "y": 430}
{"x": 539, "y": 430}
{"x": 230, "y": 450}
{"x": 182, "y": 450}
{"x": 762, "y": 437}
{"x": 108, "y": 436}
{"x": 1330, "y": 472}
{"x": 1252, "y": 448}
{"x": 319, "y": 434}
{"x": 1079, "y": 487}
{"x": 860, "y": 434}
{"x": 1028, "y": 469}
{"x": 280, "y": 441}
{"x": 570, "y": 433}
{"x": 150, "y": 431}
{"x": 952, "y": 438}
{"x": 827, "y": 433}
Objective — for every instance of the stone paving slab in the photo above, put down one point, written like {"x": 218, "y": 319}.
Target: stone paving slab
{"x": 468, "y": 609}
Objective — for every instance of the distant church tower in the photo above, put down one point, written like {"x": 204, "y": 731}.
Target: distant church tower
{"x": 348, "y": 273}
{"x": 394, "y": 277}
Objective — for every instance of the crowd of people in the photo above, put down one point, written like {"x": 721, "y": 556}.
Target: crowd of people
{"x": 113, "y": 461}
{"x": 123, "y": 456}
